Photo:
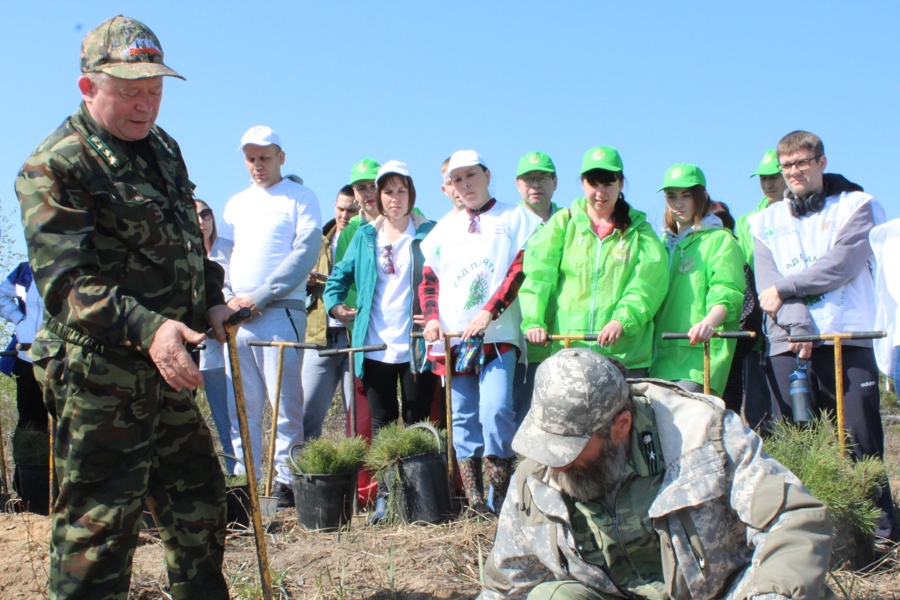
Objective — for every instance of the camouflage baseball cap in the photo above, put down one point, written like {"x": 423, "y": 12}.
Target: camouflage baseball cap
{"x": 576, "y": 392}
{"x": 124, "y": 48}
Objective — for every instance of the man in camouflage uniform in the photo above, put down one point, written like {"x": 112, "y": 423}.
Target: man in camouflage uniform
{"x": 648, "y": 491}
{"x": 118, "y": 257}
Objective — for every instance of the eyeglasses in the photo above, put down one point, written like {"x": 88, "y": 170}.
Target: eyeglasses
{"x": 205, "y": 214}
{"x": 541, "y": 180}
{"x": 387, "y": 253}
{"x": 801, "y": 165}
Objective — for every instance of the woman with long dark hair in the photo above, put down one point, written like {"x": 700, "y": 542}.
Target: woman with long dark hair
{"x": 597, "y": 267}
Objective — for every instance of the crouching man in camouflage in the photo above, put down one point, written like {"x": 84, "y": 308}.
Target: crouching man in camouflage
{"x": 118, "y": 257}
{"x": 647, "y": 491}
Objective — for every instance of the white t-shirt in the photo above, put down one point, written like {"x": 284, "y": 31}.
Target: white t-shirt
{"x": 264, "y": 224}
{"x": 471, "y": 266}
{"x": 389, "y": 317}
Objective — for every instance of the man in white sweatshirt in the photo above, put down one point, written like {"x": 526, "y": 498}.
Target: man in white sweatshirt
{"x": 268, "y": 242}
{"x": 812, "y": 259}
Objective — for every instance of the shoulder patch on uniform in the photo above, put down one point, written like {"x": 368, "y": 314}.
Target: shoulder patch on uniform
{"x": 104, "y": 150}
{"x": 159, "y": 138}
{"x": 650, "y": 451}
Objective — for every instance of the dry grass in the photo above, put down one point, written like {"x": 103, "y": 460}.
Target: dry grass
{"x": 406, "y": 562}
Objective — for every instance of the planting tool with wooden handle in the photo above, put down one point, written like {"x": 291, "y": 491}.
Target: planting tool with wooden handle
{"x": 352, "y": 352}
{"x": 837, "y": 338}
{"x": 568, "y": 339}
{"x": 706, "y": 359}
{"x": 448, "y": 373}
{"x": 270, "y": 502}
{"x": 265, "y": 576}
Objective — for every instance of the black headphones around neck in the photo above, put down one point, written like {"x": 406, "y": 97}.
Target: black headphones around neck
{"x": 810, "y": 205}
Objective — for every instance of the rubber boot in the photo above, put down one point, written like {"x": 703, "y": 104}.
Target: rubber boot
{"x": 497, "y": 475}
{"x": 470, "y": 472}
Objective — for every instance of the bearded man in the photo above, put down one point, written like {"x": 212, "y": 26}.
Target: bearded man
{"x": 640, "y": 489}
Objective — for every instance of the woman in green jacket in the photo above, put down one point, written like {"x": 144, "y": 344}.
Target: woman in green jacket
{"x": 706, "y": 285}
{"x": 596, "y": 268}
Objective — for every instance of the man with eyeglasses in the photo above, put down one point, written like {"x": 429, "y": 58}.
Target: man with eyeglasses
{"x": 812, "y": 258}
{"x": 322, "y": 375}
{"x": 536, "y": 181}
{"x": 269, "y": 241}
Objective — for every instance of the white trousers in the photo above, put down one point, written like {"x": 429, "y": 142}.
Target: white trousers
{"x": 259, "y": 368}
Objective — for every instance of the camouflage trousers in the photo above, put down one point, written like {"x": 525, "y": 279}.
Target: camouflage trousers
{"x": 567, "y": 590}
{"x": 124, "y": 437}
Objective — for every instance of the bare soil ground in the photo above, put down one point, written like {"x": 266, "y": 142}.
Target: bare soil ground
{"x": 371, "y": 562}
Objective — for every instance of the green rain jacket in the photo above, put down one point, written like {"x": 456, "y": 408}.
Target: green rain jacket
{"x": 575, "y": 283}
{"x": 705, "y": 268}
{"x": 742, "y": 231}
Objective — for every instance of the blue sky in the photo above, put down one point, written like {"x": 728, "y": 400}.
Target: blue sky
{"x": 711, "y": 83}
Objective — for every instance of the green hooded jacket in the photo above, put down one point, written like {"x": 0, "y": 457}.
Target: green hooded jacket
{"x": 706, "y": 268}
{"x": 742, "y": 231}
{"x": 576, "y": 283}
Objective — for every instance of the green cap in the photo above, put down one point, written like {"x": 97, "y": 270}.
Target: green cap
{"x": 535, "y": 161}
{"x": 364, "y": 170}
{"x": 601, "y": 157}
{"x": 681, "y": 175}
{"x": 124, "y": 48}
{"x": 768, "y": 165}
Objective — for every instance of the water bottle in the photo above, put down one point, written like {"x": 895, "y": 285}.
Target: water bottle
{"x": 801, "y": 397}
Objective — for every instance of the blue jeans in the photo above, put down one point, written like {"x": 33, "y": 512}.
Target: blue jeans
{"x": 483, "y": 419}
{"x": 216, "y": 385}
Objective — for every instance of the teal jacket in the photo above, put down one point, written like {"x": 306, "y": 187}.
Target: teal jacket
{"x": 359, "y": 268}
{"x": 706, "y": 268}
{"x": 742, "y": 231}
{"x": 576, "y": 283}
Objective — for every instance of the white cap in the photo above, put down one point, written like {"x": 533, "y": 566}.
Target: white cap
{"x": 259, "y": 135}
{"x": 392, "y": 166}
{"x": 464, "y": 158}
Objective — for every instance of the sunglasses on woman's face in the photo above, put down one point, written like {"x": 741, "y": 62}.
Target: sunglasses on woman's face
{"x": 205, "y": 214}
{"x": 387, "y": 253}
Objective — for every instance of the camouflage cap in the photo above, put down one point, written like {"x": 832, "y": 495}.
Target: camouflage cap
{"x": 124, "y": 48}
{"x": 576, "y": 392}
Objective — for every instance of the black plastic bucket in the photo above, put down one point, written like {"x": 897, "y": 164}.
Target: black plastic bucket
{"x": 237, "y": 504}
{"x": 324, "y": 501}
{"x": 34, "y": 487}
{"x": 425, "y": 491}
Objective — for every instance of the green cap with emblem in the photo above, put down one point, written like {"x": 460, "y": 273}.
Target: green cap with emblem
{"x": 535, "y": 161}
{"x": 768, "y": 165}
{"x": 364, "y": 170}
{"x": 682, "y": 175}
{"x": 601, "y": 157}
{"x": 124, "y": 48}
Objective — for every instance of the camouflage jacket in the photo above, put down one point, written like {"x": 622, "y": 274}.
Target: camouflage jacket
{"x": 114, "y": 242}
{"x": 733, "y": 523}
